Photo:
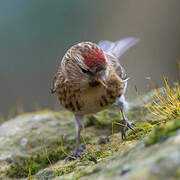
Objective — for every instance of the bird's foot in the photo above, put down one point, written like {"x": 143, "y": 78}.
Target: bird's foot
{"x": 77, "y": 152}
{"x": 125, "y": 128}
{"x": 70, "y": 158}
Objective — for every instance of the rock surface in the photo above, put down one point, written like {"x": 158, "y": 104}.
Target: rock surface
{"x": 35, "y": 133}
{"x": 161, "y": 161}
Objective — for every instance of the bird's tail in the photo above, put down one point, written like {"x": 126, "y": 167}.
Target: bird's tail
{"x": 118, "y": 48}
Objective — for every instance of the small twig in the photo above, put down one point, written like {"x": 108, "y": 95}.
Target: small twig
{"x": 82, "y": 136}
{"x": 62, "y": 147}
{"x": 29, "y": 174}
{"x": 45, "y": 149}
{"x": 112, "y": 127}
{"x": 120, "y": 124}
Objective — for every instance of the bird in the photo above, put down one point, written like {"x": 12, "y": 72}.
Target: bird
{"x": 90, "y": 78}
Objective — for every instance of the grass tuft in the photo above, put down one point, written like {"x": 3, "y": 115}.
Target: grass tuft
{"x": 166, "y": 105}
{"x": 165, "y": 108}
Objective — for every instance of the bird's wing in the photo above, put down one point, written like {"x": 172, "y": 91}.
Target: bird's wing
{"x": 57, "y": 80}
{"x": 118, "y": 48}
{"x": 116, "y": 66}
{"x": 114, "y": 50}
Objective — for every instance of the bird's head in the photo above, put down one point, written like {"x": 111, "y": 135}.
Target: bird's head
{"x": 87, "y": 62}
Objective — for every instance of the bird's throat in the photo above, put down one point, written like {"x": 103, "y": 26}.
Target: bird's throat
{"x": 94, "y": 83}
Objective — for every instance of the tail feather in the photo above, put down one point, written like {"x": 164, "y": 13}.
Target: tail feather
{"x": 118, "y": 48}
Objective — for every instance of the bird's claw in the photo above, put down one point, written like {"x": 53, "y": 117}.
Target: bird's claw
{"x": 130, "y": 125}
{"x": 82, "y": 147}
{"x": 77, "y": 152}
{"x": 74, "y": 156}
{"x": 70, "y": 158}
{"x": 125, "y": 128}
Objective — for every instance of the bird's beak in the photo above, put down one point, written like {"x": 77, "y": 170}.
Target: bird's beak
{"x": 101, "y": 80}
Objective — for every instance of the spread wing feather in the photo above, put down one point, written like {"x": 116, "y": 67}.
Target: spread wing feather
{"x": 114, "y": 50}
{"x": 118, "y": 48}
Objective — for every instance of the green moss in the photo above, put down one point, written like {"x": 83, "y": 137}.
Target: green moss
{"x": 65, "y": 170}
{"x": 99, "y": 120}
{"x": 78, "y": 171}
{"x": 95, "y": 155}
{"x": 142, "y": 130}
{"x": 35, "y": 163}
{"x": 89, "y": 155}
{"x": 104, "y": 118}
{"x": 162, "y": 131}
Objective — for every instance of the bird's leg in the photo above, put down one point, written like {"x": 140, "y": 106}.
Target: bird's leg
{"x": 126, "y": 123}
{"x": 79, "y": 123}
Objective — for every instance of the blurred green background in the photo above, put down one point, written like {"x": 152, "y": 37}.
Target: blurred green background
{"x": 35, "y": 34}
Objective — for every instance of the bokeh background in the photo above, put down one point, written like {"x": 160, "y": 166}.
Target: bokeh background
{"x": 34, "y": 35}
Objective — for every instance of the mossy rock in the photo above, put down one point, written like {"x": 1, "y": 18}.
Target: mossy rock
{"x": 42, "y": 156}
{"x": 164, "y": 131}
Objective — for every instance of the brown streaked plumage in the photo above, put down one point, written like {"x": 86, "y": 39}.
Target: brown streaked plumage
{"x": 91, "y": 78}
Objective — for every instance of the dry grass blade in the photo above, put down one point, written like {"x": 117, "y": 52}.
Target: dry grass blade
{"x": 166, "y": 105}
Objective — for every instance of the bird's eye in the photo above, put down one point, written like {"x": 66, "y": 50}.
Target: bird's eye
{"x": 86, "y": 71}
